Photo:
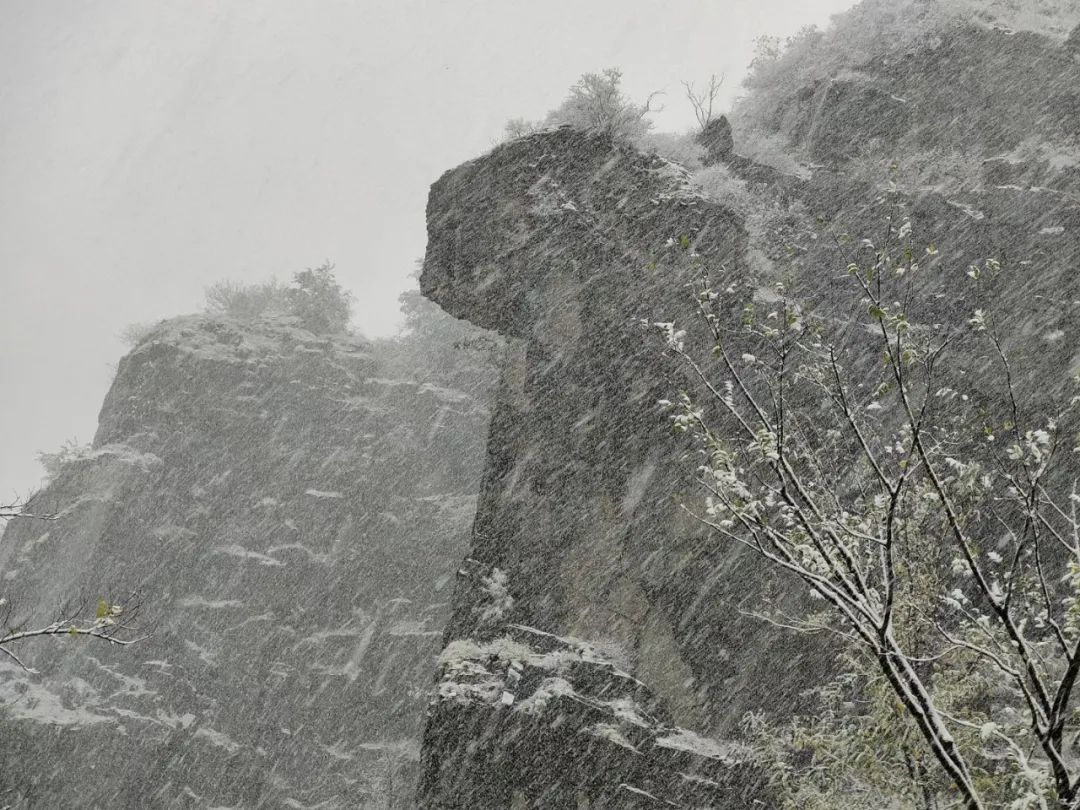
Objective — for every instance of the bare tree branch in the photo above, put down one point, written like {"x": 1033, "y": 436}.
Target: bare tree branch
{"x": 702, "y": 102}
{"x": 111, "y": 623}
{"x": 855, "y": 489}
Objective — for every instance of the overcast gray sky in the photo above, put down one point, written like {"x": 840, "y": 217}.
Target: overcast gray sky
{"x": 148, "y": 149}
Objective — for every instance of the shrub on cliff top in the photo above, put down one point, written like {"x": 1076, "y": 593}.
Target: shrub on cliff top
{"x": 595, "y": 104}
{"x": 247, "y": 301}
{"x": 321, "y": 304}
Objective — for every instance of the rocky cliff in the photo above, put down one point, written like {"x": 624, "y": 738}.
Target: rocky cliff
{"x": 582, "y": 562}
{"x": 290, "y": 509}
{"x": 563, "y": 242}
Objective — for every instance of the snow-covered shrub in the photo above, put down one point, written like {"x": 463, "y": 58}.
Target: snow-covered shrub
{"x": 520, "y": 127}
{"x": 134, "y": 333}
{"x": 315, "y": 298}
{"x": 719, "y": 184}
{"x": 682, "y": 149}
{"x": 595, "y": 104}
{"x": 321, "y": 304}
{"x": 247, "y": 301}
{"x": 499, "y": 602}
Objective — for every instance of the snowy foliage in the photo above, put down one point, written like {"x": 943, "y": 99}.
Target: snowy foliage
{"x": 935, "y": 535}
{"x": 134, "y": 333}
{"x": 595, "y": 104}
{"x": 866, "y": 34}
{"x": 247, "y": 301}
{"x": 315, "y": 298}
{"x": 498, "y": 600}
{"x": 720, "y": 184}
{"x": 873, "y": 27}
{"x": 70, "y": 451}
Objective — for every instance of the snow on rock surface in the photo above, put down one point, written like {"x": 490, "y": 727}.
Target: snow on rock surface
{"x": 562, "y": 726}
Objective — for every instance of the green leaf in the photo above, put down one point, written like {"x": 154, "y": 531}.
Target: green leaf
{"x": 102, "y": 609}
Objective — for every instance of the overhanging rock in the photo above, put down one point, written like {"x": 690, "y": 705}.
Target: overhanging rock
{"x": 566, "y": 243}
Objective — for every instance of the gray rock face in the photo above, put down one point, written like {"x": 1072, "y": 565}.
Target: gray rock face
{"x": 558, "y": 240}
{"x": 845, "y": 114}
{"x": 968, "y": 88}
{"x": 291, "y": 509}
{"x": 566, "y": 243}
{"x": 717, "y": 139}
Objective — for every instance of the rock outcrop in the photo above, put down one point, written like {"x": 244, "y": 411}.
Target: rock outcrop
{"x": 566, "y": 243}
{"x": 291, "y": 509}
{"x": 717, "y": 140}
{"x": 967, "y": 88}
{"x": 553, "y": 723}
